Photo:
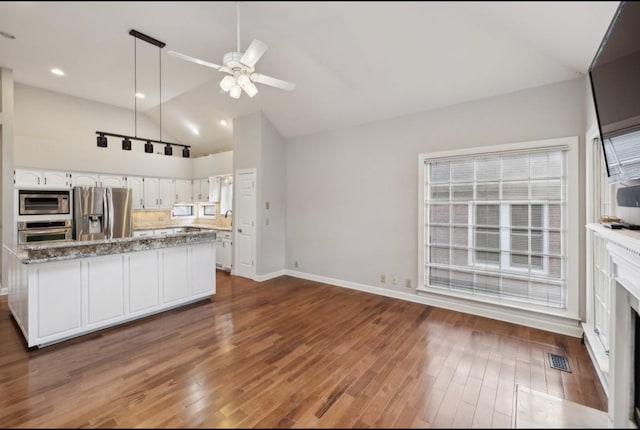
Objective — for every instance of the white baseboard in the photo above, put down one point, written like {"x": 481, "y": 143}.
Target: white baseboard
{"x": 4, "y": 291}
{"x": 550, "y": 323}
{"x": 261, "y": 278}
{"x": 599, "y": 356}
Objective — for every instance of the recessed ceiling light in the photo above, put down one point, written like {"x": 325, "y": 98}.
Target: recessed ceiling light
{"x": 7, "y": 35}
{"x": 224, "y": 122}
{"x": 140, "y": 95}
{"x": 57, "y": 72}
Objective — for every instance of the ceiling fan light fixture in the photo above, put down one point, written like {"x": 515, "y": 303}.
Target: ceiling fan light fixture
{"x": 227, "y": 83}
{"x": 235, "y": 91}
{"x": 250, "y": 89}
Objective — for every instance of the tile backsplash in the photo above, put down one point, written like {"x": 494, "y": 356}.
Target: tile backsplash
{"x": 160, "y": 218}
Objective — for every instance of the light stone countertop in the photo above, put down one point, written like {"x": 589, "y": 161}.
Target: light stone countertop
{"x": 70, "y": 250}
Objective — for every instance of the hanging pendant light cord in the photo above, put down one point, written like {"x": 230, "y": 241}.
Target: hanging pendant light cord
{"x": 238, "y": 23}
{"x": 160, "y": 69}
{"x": 135, "y": 87}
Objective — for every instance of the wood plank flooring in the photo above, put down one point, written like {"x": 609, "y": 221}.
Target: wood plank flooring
{"x": 288, "y": 353}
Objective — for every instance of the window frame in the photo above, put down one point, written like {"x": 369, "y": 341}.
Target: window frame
{"x": 460, "y": 301}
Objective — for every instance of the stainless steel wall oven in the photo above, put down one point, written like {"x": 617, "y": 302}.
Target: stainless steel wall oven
{"x": 45, "y": 231}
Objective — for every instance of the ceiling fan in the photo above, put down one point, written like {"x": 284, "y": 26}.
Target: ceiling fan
{"x": 241, "y": 67}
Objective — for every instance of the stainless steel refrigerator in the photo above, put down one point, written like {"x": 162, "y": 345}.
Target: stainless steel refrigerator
{"x": 101, "y": 213}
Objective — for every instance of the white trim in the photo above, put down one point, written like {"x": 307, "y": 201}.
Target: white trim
{"x": 551, "y": 323}
{"x": 268, "y": 276}
{"x": 4, "y": 291}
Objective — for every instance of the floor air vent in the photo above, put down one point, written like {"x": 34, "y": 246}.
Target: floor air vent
{"x": 559, "y": 362}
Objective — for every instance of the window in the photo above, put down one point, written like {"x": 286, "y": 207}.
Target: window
{"x": 495, "y": 225}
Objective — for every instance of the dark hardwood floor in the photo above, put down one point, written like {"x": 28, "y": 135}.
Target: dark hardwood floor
{"x": 288, "y": 353}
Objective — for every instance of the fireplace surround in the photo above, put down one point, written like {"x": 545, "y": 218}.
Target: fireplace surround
{"x": 624, "y": 248}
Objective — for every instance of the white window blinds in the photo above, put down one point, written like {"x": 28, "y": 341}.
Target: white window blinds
{"x": 495, "y": 227}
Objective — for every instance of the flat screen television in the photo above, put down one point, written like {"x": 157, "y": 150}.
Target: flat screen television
{"x": 615, "y": 83}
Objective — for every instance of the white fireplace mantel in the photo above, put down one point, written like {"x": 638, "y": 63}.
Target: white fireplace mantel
{"x": 624, "y": 249}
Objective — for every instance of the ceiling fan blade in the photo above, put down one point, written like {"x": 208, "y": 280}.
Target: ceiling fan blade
{"x": 193, "y": 60}
{"x": 253, "y": 53}
{"x": 273, "y": 82}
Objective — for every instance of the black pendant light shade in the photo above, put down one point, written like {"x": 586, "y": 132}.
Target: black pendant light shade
{"x": 148, "y": 147}
{"x": 185, "y": 152}
{"x": 126, "y": 144}
{"x": 102, "y": 141}
{"x": 168, "y": 150}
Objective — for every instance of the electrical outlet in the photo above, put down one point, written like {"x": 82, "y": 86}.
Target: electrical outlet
{"x": 383, "y": 278}
{"x": 394, "y": 280}
{"x": 407, "y": 283}
{"x": 295, "y": 264}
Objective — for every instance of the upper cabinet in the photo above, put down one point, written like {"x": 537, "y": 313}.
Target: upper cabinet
{"x": 183, "y": 191}
{"x": 226, "y": 194}
{"x": 81, "y": 179}
{"x": 38, "y": 178}
{"x": 167, "y": 190}
{"x": 136, "y": 183}
{"x": 112, "y": 181}
{"x": 200, "y": 190}
{"x": 214, "y": 188}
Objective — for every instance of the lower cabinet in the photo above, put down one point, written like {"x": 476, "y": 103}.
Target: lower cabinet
{"x": 56, "y": 310}
{"x": 144, "y": 278}
{"x": 105, "y": 289}
{"x": 174, "y": 274}
{"x": 56, "y": 301}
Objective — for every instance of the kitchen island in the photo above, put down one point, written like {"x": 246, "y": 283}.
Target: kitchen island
{"x": 61, "y": 290}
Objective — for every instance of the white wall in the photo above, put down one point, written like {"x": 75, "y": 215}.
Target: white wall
{"x": 352, "y": 194}
{"x": 271, "y": 180}
{"x": 57, "y": 131}
{"x": 7, "y": 119}
{"x": 213, "y": 164}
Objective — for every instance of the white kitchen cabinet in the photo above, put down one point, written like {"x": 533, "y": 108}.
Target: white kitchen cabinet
{"x": 174, "y": 265}
{"x": 37, "y": 178}
{"x": 142, "y": 233}
{"x": 58, "y": 299}
{"x": 136, "y": 183}
{"x": 105, "y": 290}
{"x": 227, "y": 250}
{"x": 200, "y": 190}
{"x": 226, "y": 194}
{"x": 214, "y": 188}
{"x": 55, "y": 179}
{"x": 219, "y": 250}
{"x": 151, "y": 193}
{"x": 167, "y": 191}
{"x": 81, "y": 179}
{"x": 203, "y": 268}
{"x": 143, "y": 281}
{"x": 184, "y": 191}
{"x": 113, "y": 181}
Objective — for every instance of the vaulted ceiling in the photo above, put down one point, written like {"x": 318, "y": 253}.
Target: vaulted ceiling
{"x": 352, "y": 62}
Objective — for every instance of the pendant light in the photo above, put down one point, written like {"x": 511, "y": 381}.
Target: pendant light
{"x": 101, "y": 139}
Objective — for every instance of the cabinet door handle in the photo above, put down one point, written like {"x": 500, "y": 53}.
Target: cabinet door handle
{"x": 239, "y": 230}
{"x": 38, "y": 181}
{"x": 45, "y": 180}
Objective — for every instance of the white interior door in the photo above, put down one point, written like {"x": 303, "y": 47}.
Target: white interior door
{"x": 244, "y": 220}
